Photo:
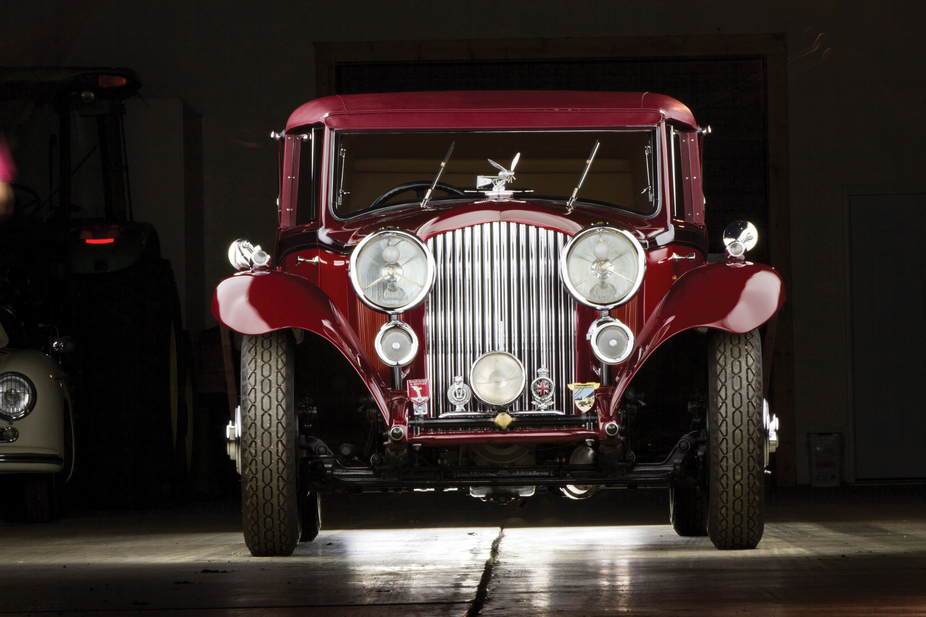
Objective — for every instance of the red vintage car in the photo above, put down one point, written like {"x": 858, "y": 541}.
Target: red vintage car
{"x": 499, "y": 293}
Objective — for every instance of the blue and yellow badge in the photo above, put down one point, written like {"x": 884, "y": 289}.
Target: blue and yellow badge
{"x": 584, "y": 394}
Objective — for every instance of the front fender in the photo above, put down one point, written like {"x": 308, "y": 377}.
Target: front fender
{"x": 41, "y": 445}
{"x": 257, "y": 303}
{"x": 731, "y": 297}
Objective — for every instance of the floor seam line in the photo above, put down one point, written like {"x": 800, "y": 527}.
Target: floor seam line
{"x": 482, "y": 591}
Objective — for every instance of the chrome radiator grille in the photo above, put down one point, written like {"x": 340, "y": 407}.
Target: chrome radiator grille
{"x": 497, "y": 288}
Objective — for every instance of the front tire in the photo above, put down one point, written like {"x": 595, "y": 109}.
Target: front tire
{"x": 736, "y": 513}
{"x": 269, "y": 440}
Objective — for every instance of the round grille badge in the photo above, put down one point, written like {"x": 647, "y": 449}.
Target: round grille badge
{"x": 542, "y": 390}
{"x": 459, "y": 394}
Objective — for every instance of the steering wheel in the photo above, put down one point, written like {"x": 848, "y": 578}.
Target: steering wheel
{"x": 419, "y": 186}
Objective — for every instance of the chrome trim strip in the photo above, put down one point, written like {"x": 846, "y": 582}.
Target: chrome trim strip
{"x": 47, "y": 459}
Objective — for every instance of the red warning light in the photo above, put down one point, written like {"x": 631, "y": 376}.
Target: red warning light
{"x": 111, "y": 81}
{"x": 100, "y": 233}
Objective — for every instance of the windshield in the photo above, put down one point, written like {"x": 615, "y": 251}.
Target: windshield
{"x": 374, "y": 170}
{"x": 81, "y": 169}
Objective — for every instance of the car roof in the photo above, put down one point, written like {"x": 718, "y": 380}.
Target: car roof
{"x": 516, "y": 108}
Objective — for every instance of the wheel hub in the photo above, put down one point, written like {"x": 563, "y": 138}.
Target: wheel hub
{"x": 233, "y": 439}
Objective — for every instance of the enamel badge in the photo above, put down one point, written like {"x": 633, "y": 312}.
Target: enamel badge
{"x": 419, "y": 391}
{"x": 584, "y": 394}
{"x": 542, "y": 390}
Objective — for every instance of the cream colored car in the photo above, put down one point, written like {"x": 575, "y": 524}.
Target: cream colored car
{"x": 36, "y": 428}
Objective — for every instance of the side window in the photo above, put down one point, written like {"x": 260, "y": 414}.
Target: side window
{"x": 687, "y": 202}
{"x": 299, "y": 163}
{"x": 309, "y": 167}
{"x": 678, "y": 178}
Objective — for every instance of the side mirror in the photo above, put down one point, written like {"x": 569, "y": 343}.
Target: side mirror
{"x": 64, "y": 345}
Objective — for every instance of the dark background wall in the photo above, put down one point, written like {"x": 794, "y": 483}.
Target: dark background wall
{"x": 854, "y": 78}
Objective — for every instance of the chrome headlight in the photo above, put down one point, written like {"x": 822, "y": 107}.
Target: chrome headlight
{"x": 602, "y": 267}
{"x": 242, "y": 254}
{"x": 17, "y": 396}
{"x": 396, "y": 344}
{"x": 497, "y": 378}
{"x": 611, "y": 340}
{"x": 739, "y": 237}
{"x": 392, "y": 271}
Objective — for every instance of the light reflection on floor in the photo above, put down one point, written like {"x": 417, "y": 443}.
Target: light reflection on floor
{"x": 196, "y": 563}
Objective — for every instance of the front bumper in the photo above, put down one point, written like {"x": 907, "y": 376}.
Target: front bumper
{"x": 17, "y": 459}
{"x": 328, "y": 474}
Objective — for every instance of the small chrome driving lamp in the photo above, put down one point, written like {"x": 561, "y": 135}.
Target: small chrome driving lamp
{"x": 739, "y": 237}
{"x": 244, "y": 255}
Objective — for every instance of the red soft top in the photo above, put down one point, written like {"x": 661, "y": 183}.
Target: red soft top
{"x": 487, "y": 109}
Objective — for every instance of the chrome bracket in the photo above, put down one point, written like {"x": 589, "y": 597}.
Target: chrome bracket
{"x": 688, "y": 257}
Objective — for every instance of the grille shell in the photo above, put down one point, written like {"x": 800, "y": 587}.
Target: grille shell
{"x": 497, "y": 288}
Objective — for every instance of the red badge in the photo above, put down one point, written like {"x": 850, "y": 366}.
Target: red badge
{"x": 419, "y": 391}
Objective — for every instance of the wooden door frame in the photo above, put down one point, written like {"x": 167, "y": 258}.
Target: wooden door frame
{"x": 771, "y": 47}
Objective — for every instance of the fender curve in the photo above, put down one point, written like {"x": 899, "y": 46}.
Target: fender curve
{"x": 249, "y": 303}
{"x": 731, "y": 297}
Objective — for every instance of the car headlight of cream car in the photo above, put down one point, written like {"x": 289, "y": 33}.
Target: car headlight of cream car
{"x": 602, "y": 266}
{"x": 17, "y": 396}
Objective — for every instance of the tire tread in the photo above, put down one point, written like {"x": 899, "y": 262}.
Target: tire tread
{"x": 268, "y": 445}
{"x": 737, "y": 497}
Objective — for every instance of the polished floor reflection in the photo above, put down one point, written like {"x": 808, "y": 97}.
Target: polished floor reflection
{"x": 841, "y": 552}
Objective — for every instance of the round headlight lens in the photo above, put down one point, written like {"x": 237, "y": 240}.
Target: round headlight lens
{"x": 396, "y": 344}
{"x": 612, "y": 341}
{"x": 392, "y": 271}
{"x": 17, "y": 396}
{"x": 602, "y": 267}
{"x": 497, "y": 378}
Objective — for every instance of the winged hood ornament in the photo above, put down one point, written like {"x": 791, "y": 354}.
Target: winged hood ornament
{"x": 498, "y": 182}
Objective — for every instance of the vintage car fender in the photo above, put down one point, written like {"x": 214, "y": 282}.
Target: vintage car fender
{"x": 40, "y": 447}
{"x": 735, "y": 297}
{"x": 249, "y": 303}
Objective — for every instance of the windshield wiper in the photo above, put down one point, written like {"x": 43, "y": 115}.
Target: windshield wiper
{"x": 648, "y": 150}
{"x": 342, "y": 154}
{"x": 588, "y": 165}
{"x": 427, "y": 196}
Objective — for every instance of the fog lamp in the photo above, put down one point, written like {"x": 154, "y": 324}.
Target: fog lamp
{"x": 611, "y": 340}
{"x": 396, "y": 344}
{"x": 497, "y": 378}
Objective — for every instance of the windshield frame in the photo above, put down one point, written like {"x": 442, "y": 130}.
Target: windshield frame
{"x": 656, "y": 168}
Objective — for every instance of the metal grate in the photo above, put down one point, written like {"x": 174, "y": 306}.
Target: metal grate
{"x": 497, "y": 288}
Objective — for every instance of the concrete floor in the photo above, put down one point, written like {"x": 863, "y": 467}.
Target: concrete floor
{"x": 859, "y": 551}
